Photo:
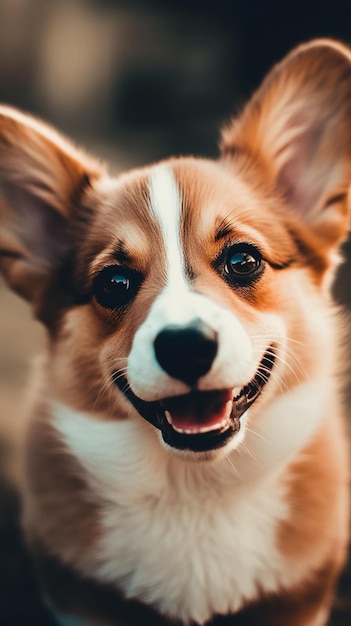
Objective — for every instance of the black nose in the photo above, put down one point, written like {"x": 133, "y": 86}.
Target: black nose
{"x": 186, "y": 352}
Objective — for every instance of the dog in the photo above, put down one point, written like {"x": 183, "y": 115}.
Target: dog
{"x": 185, "y": 460}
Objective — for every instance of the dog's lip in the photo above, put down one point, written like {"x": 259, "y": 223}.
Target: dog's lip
{"x": 201, "y": 420}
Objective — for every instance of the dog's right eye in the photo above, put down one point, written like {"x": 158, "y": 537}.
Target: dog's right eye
{"x": 115, "y": 286}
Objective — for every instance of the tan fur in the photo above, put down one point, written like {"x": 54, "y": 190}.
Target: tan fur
{"x": 318, "y": 492}
{"x": 75, "y": 524}
{"x": 282, "y": 185}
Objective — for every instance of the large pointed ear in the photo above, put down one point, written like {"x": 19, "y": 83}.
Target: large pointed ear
{"x": 41, "y": 178}
{"x": 296, "y": 132}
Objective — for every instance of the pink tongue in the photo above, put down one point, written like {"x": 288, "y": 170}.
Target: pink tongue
{"x": 197, "y": 411}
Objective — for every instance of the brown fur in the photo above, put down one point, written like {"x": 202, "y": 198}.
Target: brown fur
{"x": 318, "y": 492}
{"x": 62, "y": 490}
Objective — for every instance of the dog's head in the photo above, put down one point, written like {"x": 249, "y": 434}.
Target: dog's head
{"x": 190, "y": 293}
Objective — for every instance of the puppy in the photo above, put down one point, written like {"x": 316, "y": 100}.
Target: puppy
{"x": 185, "y": 460}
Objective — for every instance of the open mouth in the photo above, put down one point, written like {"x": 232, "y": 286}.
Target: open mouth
{"x": 201, "y": 420}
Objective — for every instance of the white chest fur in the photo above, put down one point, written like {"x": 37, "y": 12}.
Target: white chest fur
{"x": 188, "y": 538}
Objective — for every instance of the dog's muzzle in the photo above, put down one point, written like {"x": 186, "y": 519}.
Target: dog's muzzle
{"x": 200, "y": 420}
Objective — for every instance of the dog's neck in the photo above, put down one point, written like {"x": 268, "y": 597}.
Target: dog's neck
{"x": 190, "y": 516}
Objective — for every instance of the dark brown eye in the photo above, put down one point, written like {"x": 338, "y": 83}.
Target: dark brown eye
{"x": 115, "y": 286}
{"x": 242, "y": 264}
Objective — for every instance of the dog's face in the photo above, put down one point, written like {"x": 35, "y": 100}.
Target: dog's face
{"x": 173, "y": 284}
{"x": 189, "y": 294}
{"x": 192, "y": 290}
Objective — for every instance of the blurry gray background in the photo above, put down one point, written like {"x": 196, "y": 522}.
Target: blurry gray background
{"x": 135, "y": 81}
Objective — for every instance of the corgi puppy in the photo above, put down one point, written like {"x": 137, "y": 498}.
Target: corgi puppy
{"x": 185, "y": 460}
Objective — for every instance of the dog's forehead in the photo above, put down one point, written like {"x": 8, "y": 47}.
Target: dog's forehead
{"x": 179, "y": 209}
{"x": 199, "y": 192}
{"x": 146, "y": 210}
{"x": 197, "y": 204}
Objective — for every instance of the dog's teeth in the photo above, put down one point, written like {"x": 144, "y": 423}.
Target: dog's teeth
{"x": 206, "y": 429}
{"x": 198, "y": 430}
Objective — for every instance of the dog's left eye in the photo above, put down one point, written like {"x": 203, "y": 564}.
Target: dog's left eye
{"x": 115, "y": 286}
{"x": 243, "y": 263}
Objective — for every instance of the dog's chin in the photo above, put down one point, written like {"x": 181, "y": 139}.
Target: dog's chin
{"x": 201, "y": 421}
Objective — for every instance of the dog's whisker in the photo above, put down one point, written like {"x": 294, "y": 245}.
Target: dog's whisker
{"x": 102, "y": 391}
{"x": 228, "y": 459}
{"x": 249, "y": 429}
{"x": 289, "y": 357}
{"x": 244, "y": 449}
{"x": 107, "y": 385}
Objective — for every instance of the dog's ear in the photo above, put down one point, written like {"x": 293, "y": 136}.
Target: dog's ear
{"x": 296, "y": 132}
{"x": 41, "y": 178}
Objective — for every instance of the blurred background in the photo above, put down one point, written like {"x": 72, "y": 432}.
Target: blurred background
{"x": 134, "y": 81}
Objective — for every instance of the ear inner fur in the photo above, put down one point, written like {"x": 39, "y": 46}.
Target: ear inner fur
{"x": 295, "y": 129}
{"x": 41, "y": 181}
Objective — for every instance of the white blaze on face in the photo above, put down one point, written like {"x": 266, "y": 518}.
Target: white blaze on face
{"x": 178, "y": 304}
{"x": 166, "y": 206}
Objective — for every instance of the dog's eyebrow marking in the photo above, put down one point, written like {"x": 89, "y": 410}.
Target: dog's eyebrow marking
{"x": 166, "y": 205}
{"x": 223, "y": 232}
{"x": 121, "y": 253}
{"x": 334, "y": 199}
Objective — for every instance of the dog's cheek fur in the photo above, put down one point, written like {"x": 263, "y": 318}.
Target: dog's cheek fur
{"x": 75, "y": 368}
{"x": 89, "y": 345}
